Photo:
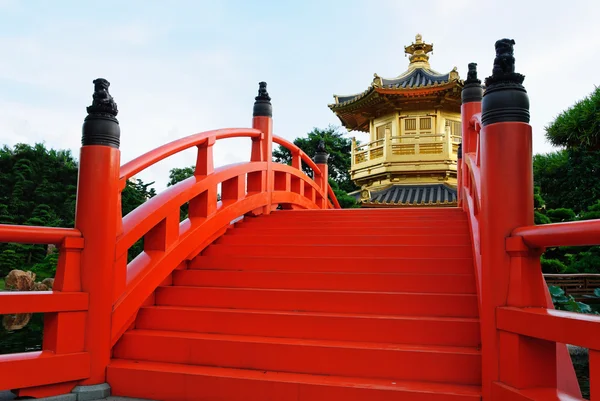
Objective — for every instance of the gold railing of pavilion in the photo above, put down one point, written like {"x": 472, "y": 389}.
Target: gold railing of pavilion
{"x": 398, "y": 148}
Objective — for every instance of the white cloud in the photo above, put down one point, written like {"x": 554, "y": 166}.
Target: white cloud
{"x": 178, "y": 75}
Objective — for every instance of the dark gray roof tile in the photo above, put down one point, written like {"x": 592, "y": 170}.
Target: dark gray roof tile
{"x": 414, "y": 195}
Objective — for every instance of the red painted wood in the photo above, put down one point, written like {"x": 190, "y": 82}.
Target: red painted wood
{"x": 380, "y": 217}
{"x": 377, "y": 303}
{"x": 36, "y": 234}
{"x": 356, "y": 239}
{"x": 42, "y": 301}
{"x": 316, "y": 325}
{"x": 348, "y": 224}
{"x": 503, "y": 392}
{"x": 404, "y": 282}
{"x": 377, "y": 230}
{"x": 335, "y": 264}
{"x": 340, "y": 358}
{"x": 40, "y": 368}
{"x": 358, "y": 251}
{"x": 181, "y": 382}
{"x": 148, "y": 159}
{"x": 553, "y": 325}
{"x": 574, "y": 233}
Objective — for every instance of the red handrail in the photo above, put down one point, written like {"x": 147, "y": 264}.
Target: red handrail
{"x": 573, "y": 233}
{"x": 309, "y": 162}
{"x": 293, "y": 148}
{"x": 36, "y": 234}
{"x": 65, "y": 308}
{"x": 152, "y": 157}
{"x": 96, "y": 292}
{"x": 496, "y": 184}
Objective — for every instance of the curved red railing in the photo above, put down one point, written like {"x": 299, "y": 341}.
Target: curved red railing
{"x": 169, "y": 242}
{"x": 523, "y": 338}
{"x": 471, "y": 188}
{"x": 573, "y": 233}
{"x": 152, "y": 157}
{"x": 247, "y": 189}
{"x": 62, "y": 359}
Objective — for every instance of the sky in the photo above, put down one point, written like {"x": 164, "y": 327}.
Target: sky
{"x": 181, "y": 67}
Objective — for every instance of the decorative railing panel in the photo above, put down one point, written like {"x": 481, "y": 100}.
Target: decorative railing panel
{"x": 96, "y": 291}
{"x": 523, "y": 337}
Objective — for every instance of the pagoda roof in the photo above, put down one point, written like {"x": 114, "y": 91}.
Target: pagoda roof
{"x": 386, "y": 94}
{"x": 416, "y": 78}
{"x": 411, "y": 195}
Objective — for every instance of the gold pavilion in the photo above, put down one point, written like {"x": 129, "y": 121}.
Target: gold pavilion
{"x": 414, "y": 128}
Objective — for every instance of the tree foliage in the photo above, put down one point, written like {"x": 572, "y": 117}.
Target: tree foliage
{"x": 579, "y": 126}
{"x": 568, "y": 179}
{"x": 567, "y": 259}
{"x": 338, "y": 147}
{"x": 38, "y": 187}
{"x": 179, "y": 174}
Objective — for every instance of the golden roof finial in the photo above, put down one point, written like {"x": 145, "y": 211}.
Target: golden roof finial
{"x": 418, "y": 52}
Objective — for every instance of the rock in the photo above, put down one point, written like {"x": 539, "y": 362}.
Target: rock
{"x": 49, "y": 282}
{"x": 51, "y": 249}
{"x": 18, "y": 280}
{"x": 16, "y": 322}
{"x": 40, "y": 287}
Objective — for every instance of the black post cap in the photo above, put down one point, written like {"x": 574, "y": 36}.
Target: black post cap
{"x": 459, "y": 151}
{"x": 262, "y": 104}
{"x": 505, "y": 99}
{"x": 101, "y": 126}
{"x": 472, "y": 91}
{"x": 321, "y": 155}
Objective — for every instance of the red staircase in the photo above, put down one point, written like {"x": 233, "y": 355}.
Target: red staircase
{"x": 314, "y": 305}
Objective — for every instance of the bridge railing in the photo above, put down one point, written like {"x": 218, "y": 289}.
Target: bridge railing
{"x": 524, "y": 355}
{"x": 63, "y": 358}
{"x": 97, "y": 293}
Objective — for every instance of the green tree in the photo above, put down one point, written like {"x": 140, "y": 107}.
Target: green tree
{"x": 567, "y": 259}
{"x": 38, "y": 187}
{"x": 579, "y": 126}
{"x": 179, "y": 174}
{"x": 339, "y": 149}
{"x": 346, "y": 201}
{"x": 133, "y": 195}
{"x": 568, "y": 178}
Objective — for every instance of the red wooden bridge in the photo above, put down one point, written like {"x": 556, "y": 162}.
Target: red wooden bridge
{"x": 299, "y": 300}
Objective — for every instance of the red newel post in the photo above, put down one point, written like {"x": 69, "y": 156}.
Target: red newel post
{"x": 459, "y": 179}
{"x": 262, "y": 148}
{"x": 96, "y": 217}
{"x": 320, "y": 159}
{"x": 471, "y": 104}
{"x": 507, "y": 196}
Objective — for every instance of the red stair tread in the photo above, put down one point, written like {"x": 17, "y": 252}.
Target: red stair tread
{"x": 367, "y": 302}
{"x": 374, "y": 305}
{"x": 316, "y": 325}
{"x": 320, "y": 314}
{"x": 322, "y": 357}
{"x": 303, "y": 263}
{"x": 380, "y": 229}
{"x": 351, "y": 281}
{"x": 153, "y": 380}
{"x": 382, "y": 225}
{"x": 355, "y": 251}
{"x": 356, "y": 239}
{"x": 310, "y": 342}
